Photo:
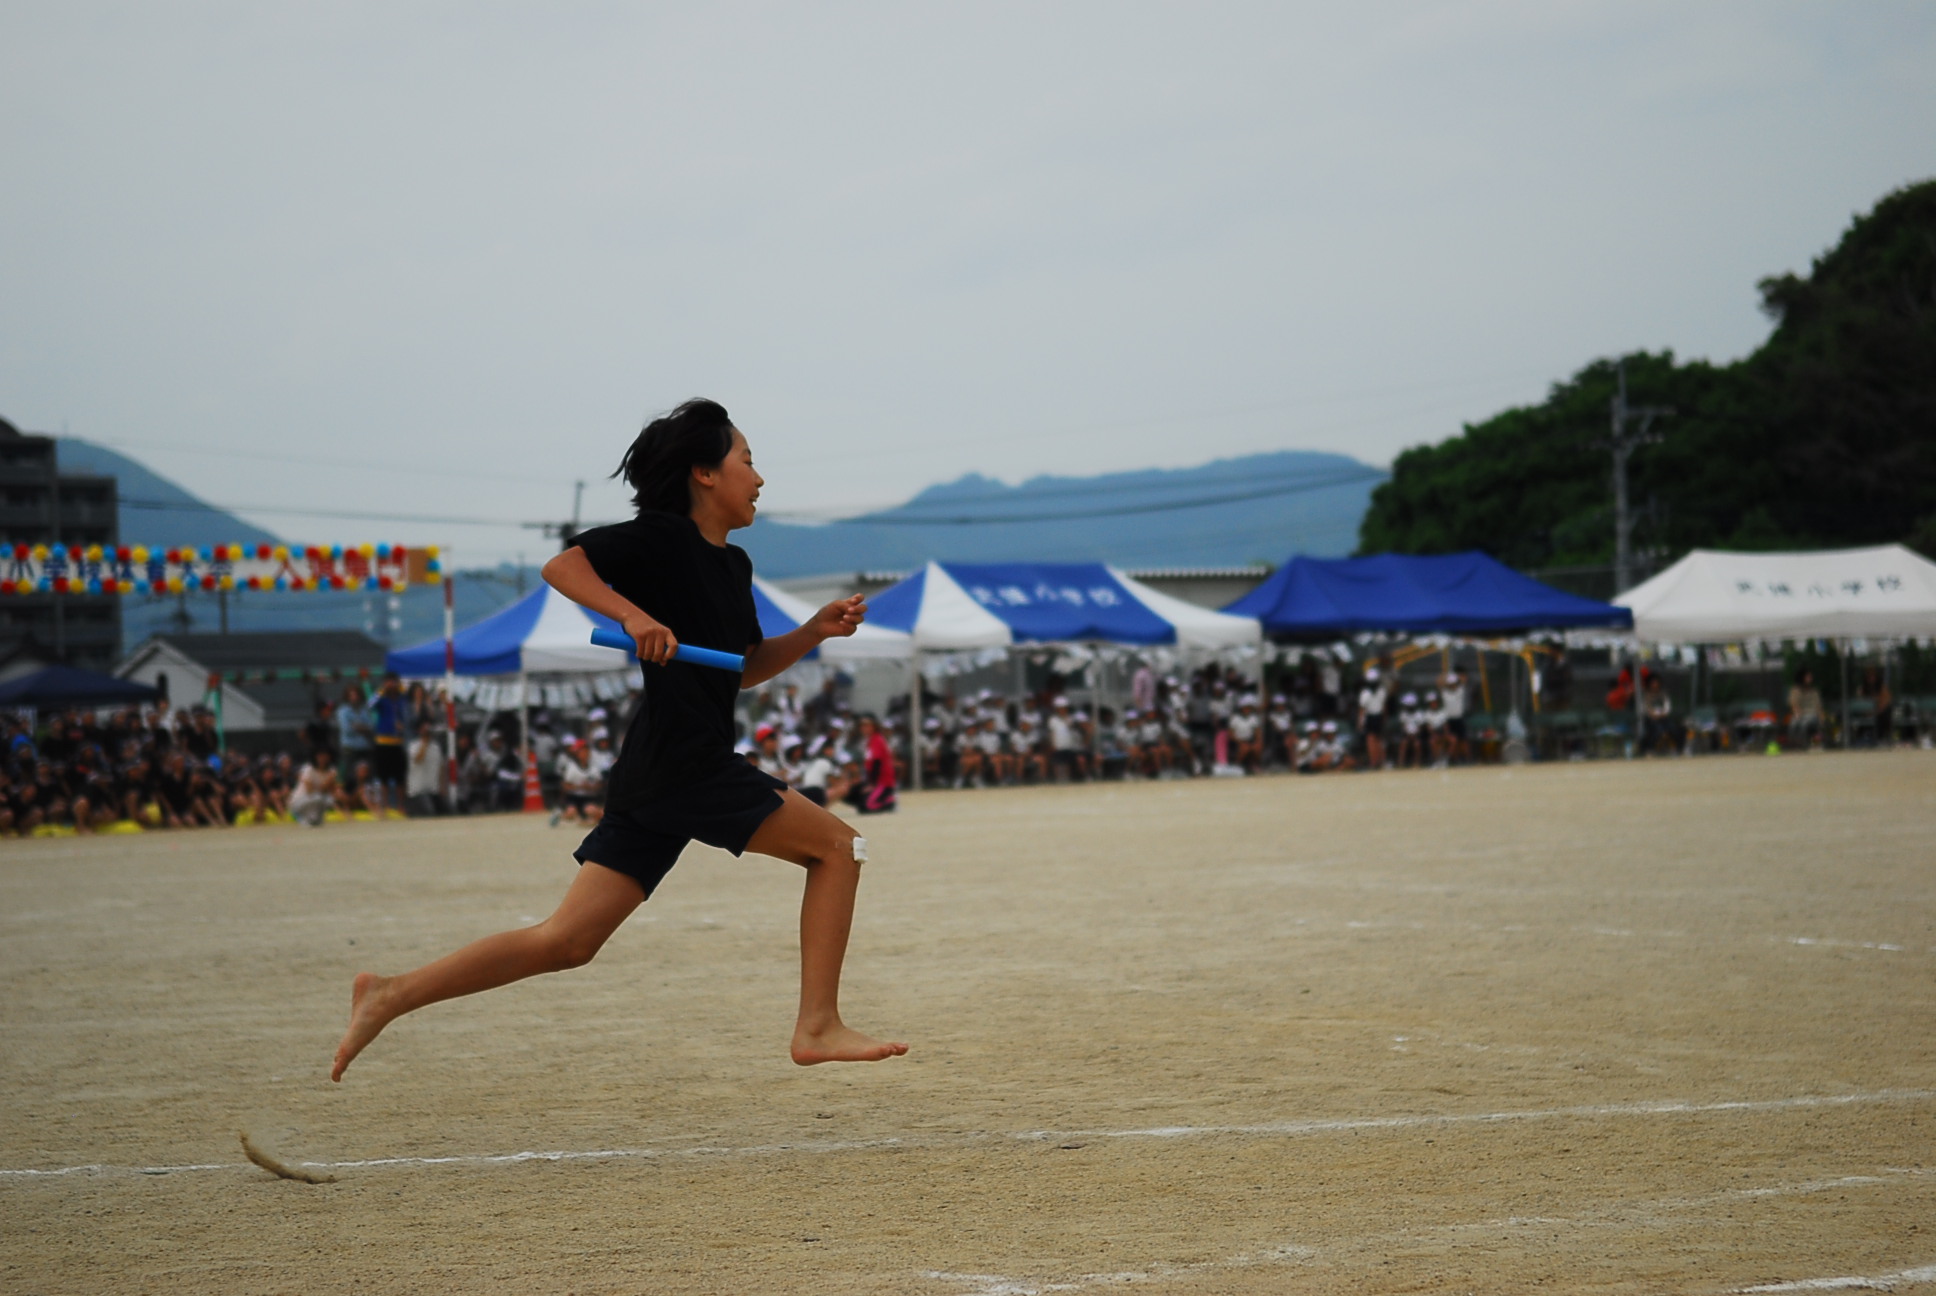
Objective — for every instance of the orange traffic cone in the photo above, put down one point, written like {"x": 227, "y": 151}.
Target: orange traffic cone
{"x": 533, "y": 798}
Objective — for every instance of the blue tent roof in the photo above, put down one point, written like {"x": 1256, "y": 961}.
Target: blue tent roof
{"x": 1464, "y": 593}
{"x": 513, "y": 638}
{"x": 59, "y": 686}
{"x": 974, "y": 605}
{"x": 487, "y": 647}
{"x": 1039, "y": 602}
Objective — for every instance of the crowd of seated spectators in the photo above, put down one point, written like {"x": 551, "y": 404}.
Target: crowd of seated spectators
{"x": 137, "y": 769}
{"x": 1215, "y": 722}
{"x": 384, "y": 754}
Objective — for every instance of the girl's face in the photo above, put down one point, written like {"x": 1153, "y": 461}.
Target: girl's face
{"x": 732, "y": 484}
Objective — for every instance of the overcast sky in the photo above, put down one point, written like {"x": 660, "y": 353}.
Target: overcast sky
{"x": 444, "y": 259}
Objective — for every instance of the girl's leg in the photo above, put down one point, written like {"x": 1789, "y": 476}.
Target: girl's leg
{"x": 598, "y": 901}
{"x": 800, "y": 832}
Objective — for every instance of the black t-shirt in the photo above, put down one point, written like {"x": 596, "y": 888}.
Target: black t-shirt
{"x": 682, "y": 731}
{"x": 176, "y": 790}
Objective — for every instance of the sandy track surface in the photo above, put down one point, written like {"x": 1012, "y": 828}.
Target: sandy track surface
{"x": 1609, "y": 1027}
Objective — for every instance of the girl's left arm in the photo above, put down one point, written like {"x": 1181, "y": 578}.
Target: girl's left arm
{"x": 771, "y": 656}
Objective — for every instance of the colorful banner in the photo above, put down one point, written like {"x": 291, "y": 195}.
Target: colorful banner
{"x": 137, "y": 569}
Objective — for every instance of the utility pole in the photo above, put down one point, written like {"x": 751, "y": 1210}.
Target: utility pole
{"x": 564, "y": 531}
{"x": 1625, "y": 439}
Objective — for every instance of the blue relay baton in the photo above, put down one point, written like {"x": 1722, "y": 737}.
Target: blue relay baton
{"x": 608, "y": 638}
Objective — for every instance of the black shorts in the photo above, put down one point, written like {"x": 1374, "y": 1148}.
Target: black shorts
{"x": 1374, "y": 724}
{"x": 390, "y": 763}
{"x": 1455, "y": 725}
{"x": 644, "y": 841}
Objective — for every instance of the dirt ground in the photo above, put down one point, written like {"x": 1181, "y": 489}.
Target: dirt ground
{"x": 1610, "y": 1027}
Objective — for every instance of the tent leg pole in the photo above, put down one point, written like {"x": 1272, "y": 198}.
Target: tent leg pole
{"x": 914, "y": 720}
{"x": 1842, "y": 651}
{"x": 1096, "y": 693}
{"x": 524, "y": 724}
{"x": 450, "y": 692}
{"x": 1640, "y": 706}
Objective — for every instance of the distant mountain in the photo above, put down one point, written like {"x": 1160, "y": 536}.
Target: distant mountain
{"x": 1258, "y": 508}
{"x": 155, "y": 511}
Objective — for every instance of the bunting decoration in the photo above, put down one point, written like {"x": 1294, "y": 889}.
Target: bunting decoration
{"x": 139, "y": 569}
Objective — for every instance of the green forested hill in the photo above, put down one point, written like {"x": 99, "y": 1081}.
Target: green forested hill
{"x": 1825, "y": 436}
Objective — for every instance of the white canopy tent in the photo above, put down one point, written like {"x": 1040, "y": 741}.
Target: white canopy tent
{"x": 868, "y": 643}
{"x": 966, "y": 607}
{"x": 1887, "y": 592}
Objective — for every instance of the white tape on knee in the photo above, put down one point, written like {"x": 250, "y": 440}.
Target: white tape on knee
{"x": 860, "y": 850}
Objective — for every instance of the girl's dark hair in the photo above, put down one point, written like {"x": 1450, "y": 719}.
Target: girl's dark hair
{"x": 659, "y": 463}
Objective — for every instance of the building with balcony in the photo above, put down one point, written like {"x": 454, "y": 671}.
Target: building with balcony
{"x": 41, "y": 505}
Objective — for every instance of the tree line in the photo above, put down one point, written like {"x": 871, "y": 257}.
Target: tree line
{"x": 1824, "y": 437}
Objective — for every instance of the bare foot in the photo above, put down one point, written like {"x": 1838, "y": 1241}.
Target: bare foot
{"x": 838, "y": 1043}
{"x": 369, "y": 1014}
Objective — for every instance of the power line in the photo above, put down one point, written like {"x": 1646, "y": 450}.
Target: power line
{"x": 1125, "y": 510}
{"x": 1027, "y": 495}
{"x": 1092, "y": 489}
{"x": 1450, "y": 387}
{"x": 199, "y": 506}
{"x": 170, "y": 447}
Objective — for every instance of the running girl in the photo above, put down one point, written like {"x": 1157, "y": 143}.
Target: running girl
{"x": 669, "y": 577}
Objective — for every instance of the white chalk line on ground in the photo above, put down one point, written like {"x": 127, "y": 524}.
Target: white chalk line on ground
{"x": 1874, "y": 1282}
{"x": 1002, "y": 1285}
{"x": 1293, "y": 1129}
{"x": 1279, "y": 1129}
{"x": 981, "y": 1284}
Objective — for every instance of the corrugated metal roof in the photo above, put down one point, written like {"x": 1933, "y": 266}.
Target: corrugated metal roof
{"x": 279, "y": 650}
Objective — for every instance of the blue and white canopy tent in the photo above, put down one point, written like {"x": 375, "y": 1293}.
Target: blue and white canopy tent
{"x": 960, "y": 607}
{"x": 781, "y": 612}
{"x": 545, "y": 633}
{"x": 964, "y": 606}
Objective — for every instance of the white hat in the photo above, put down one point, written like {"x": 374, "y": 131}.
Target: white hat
{"x": 1061, "y": 702}
{"x": 596, "y": 713}
{"x": 1410, "y": 699}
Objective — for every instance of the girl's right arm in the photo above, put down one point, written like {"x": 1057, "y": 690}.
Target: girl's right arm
{"x": 571, "y": 574}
